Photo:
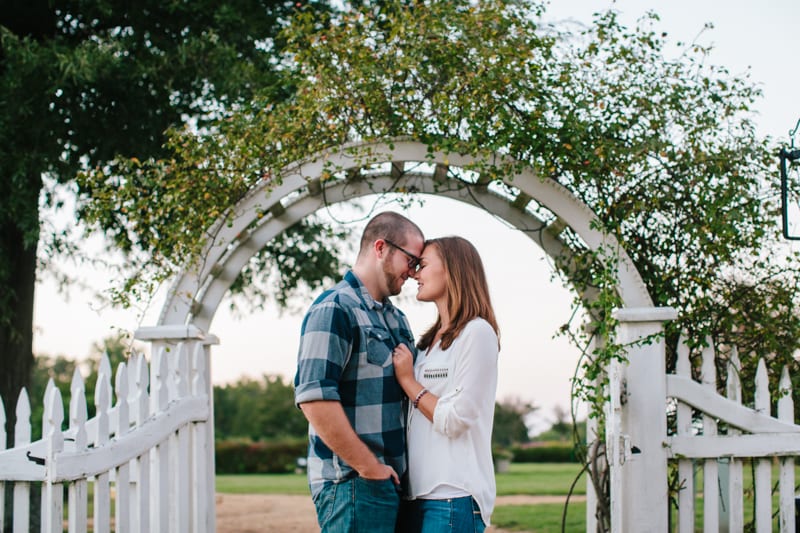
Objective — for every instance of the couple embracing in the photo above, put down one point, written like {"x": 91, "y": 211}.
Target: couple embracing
{"x": 400, "y": 433}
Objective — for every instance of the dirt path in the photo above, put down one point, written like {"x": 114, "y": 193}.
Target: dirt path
{"x": 269, "y": 513}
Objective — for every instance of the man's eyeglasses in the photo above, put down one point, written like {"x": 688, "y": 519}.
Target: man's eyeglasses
{"x": 413, "y": 260}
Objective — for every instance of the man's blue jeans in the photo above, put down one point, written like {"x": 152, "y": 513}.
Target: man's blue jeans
{"x": 454, "y": 515}
{"x": 358, "y": 505}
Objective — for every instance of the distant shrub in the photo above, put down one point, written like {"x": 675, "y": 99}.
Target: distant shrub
{"x": 240, "y": 456}
{"x": 545, "y": 452}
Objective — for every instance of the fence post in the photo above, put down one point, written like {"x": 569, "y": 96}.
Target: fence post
{"x": 165, "y": 339}
{"x": 641, "y": 458}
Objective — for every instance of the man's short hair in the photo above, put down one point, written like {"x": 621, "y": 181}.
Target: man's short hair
{"x": 388, "y": 225}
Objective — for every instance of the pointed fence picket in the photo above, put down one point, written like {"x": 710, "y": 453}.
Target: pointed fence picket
{"x": 750, "y": 434}
{"x": 151, "y": 452}
{"x": 78, "y": 490}
{"x": 22, "y": 436}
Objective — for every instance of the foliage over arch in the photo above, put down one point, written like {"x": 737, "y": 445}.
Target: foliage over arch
{"x": 664, "y": 150}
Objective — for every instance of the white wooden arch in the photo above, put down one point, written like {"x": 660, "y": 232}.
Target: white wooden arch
{"x": 543, "y": 209}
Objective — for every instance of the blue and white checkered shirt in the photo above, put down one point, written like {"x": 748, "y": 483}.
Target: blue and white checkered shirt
{"x": 345, "y": 355}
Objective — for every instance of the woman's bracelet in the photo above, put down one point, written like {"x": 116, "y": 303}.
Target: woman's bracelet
{"x": 422, "y": 393}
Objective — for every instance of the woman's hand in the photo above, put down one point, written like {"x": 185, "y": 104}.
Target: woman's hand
{"x": 403, "y": 366}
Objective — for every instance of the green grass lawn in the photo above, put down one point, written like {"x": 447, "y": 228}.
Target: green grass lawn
{"x": 540, "y": 518}
{"x": 536, "y": 479}
{"x": 540, "y": 479}
{"x": 263, "y": 484}
{"x": 530, "y": 479}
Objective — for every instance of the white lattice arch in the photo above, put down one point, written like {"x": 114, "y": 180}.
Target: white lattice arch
{"x": 543, "y": 209}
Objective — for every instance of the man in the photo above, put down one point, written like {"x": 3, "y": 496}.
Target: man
{"x": 345, "y": 383}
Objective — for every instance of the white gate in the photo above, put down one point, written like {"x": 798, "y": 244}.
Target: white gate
{"x": 151, "y": 453}
{"x": 715, "y": 435}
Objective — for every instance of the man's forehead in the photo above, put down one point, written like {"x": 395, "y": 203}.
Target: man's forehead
{"x": 414, "y": 239}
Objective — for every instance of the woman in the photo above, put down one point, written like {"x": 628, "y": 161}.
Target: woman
{"x": 452, "y": 391}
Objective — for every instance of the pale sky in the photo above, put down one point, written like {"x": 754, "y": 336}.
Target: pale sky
{"x": 530, "y": 306}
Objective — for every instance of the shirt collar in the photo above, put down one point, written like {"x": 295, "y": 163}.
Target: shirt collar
{"x": 366, "y": 297}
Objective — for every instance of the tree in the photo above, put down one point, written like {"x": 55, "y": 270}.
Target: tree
{"x": 509, "y": 422}
{"x": 563, "y": 428}
{"x": 258, "y": 410}
{"x": 84, "y": 83}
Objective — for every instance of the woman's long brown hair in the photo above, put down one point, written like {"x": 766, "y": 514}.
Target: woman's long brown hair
{"x": 467, "y": 290}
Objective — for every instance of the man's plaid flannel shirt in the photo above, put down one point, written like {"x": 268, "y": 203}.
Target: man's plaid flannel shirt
{"x": 345, "y": 355}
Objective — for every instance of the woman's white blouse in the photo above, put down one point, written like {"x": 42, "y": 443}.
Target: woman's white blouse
{"x": 452, "y": 456}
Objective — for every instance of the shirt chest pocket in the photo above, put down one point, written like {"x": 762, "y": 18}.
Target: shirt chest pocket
{"x": 379, "y": 347}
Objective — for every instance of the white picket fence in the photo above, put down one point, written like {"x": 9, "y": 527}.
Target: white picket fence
{"x": 714, "y": 435}
{"x": 151, "y": 453}
{"x": 724, "y": 438}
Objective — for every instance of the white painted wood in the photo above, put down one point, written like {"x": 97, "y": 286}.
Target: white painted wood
{"x": 140, "y": 518}
{"x": 159, "y": 456}
{"x": 179, "y": 444}
{"x": 122, "y": 510}
{"x": 593, "y": 458}
{"x": 119, "y": 442}
{"x": 225, "y": 251}
{"x": 104, "y": 369}
{"x": 15, "y": 465}
{"x": 170, "y": 332}
{"x": 744, "y": 418}
{"x": 763, "y": 472}
{"x": 52, "y": 492}
{"x": 710, "y": 466}
{"x": 22, "y": 435}
{"x": 686, "y": 494}
{"x": 210, "y": 462}
{"x": 203, "y": 507}
{"x": 102, "y": 489}
{"x": 735, "y": 472}
{"x": 78, "y": 490}
{"x": 74, "y": 465}
{"x": 786, "y": 495}
{"x": 593, "y": 439}
{"x": 742, "y": 446}
{"x": 615, "y": 452}
{"x": 644, "y": 421}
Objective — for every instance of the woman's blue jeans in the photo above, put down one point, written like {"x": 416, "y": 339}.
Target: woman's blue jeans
{"x": 453, "y": 515}
{"x": 358, "y": 505}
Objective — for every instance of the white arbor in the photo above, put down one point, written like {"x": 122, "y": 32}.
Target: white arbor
{"x": 544, "y": 210}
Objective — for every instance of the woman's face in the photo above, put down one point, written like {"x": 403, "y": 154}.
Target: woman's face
{"x": 431, "y": 276}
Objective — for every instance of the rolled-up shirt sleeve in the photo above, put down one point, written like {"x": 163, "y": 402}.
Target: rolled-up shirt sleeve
{"x": 325, "y": 346}
{"x": 474, "y": 381}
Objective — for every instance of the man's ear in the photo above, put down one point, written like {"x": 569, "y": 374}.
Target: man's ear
{"x": 379, "y": 247}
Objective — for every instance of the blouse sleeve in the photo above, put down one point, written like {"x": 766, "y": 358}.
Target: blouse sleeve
{"x": 474, "y": 381}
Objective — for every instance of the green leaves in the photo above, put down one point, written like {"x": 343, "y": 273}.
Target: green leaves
{"x": 662, "y": 149}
